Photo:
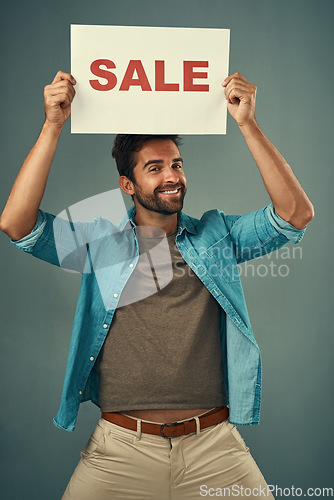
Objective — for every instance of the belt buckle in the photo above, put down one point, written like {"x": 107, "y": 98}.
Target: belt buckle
{"x": 169, "y": 424}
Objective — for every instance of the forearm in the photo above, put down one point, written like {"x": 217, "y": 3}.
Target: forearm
{"x": 288, "y": 197}
{"x": 20, "y": 213}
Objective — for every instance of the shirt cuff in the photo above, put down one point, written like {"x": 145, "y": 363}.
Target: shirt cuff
{"x": 27, "y": 242}
{"x": 282, "y": 226}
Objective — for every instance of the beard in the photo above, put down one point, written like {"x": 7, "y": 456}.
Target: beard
{"x": 157, "y": 203}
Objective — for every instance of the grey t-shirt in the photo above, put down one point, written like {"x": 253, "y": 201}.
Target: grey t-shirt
{"x": 163, "y": 349}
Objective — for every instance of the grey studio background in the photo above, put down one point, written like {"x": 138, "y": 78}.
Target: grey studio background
{"x": 285, "y": 47}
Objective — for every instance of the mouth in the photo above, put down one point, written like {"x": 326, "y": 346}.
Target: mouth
{"x": 170, "y": 192}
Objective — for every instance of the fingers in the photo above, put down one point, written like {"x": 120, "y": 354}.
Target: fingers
{"x": 234, "y": 75}
{"x": 58, "y": 97}
{"x": 236, "y": 91}
{"x": 61, "y": 75}
{"x": 61, "y": 96}
{"x": 237, "y": 88}
{"x": 60, "y": 88}
{"x": 61, "y": 93}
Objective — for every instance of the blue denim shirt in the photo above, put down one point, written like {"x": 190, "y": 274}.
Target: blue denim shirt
{"x": 106, "y": 254}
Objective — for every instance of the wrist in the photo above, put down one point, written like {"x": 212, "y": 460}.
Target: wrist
{"x": 250, "y": 127}
{"x": 52, "y": 128}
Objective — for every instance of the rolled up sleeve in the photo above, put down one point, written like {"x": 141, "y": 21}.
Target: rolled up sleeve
{"x": 260, "y": 232}
{"x": 282, "y": 226}
{"x": 28, "y": 242}
{"x": 58, "y": 241}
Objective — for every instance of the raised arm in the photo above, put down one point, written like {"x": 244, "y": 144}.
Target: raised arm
{"x": 20, "y": 213}
{"x": 288, "y": 197}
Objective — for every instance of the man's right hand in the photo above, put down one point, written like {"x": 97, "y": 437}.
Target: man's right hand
{"x": 58, "y": 97}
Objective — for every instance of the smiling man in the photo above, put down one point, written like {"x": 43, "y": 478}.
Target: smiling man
{"x": 157, "y": 183}
{"x": 173, "y": 372}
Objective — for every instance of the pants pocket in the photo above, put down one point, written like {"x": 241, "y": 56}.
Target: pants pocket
{"x": 95, "y": 443}
{"x": 237, "y": 436}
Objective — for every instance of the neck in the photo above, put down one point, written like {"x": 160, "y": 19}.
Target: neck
{"x": 158, "y": 222}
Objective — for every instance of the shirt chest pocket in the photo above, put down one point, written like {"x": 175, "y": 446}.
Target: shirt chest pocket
{"x": 222, "y": 260}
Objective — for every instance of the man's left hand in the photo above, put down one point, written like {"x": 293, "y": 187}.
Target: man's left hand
{"x": 240, "y": 96}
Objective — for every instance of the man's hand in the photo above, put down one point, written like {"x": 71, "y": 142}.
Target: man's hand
{"x": 240, "y": 96}
{"x": 58, "y": 97}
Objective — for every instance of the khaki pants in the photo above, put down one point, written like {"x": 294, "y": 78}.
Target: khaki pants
{"x": 122, "y": 464}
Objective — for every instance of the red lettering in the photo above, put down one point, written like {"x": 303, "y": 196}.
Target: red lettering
{"x": 160, "y": 78}
{"x": 189, "y": 74}
{"x": 129, "y": 80}
{"x": 135, "y": 66}
{"x": 103, "y": 73}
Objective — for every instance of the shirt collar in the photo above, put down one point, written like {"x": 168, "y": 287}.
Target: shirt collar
{"x": 183, "y": 221}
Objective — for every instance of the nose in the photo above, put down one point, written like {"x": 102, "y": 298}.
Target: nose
{"x": 171, "y": 175}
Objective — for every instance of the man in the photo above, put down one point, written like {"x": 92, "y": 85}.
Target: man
{"x": 176, "y": 370}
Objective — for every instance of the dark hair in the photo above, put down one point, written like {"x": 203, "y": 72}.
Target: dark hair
{"x": 126, "y": 146}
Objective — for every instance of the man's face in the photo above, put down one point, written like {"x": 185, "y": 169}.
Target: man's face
{"x": 160, "y": 184}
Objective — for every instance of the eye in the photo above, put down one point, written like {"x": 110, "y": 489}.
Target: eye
{"x": 176, "y": 165}
{"x": 154, "y": 169}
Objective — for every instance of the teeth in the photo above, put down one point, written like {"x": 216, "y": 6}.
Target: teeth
{"x": 175, "y": 191}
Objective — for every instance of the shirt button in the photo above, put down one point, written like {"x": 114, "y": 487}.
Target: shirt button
{"x": 92, "y": 358}
{"x": 130, "y": 265}
{"x": 115, "y": 295}
{"x": 105, "y": 325}
{"x": 80, "y": 392}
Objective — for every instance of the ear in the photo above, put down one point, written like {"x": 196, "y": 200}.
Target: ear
{"x": 126, "y": 185}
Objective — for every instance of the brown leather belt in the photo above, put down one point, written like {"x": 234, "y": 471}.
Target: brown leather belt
{"x": 172, "y": 429}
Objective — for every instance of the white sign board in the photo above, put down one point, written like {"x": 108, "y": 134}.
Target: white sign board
{"x": 149, "y": 80}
